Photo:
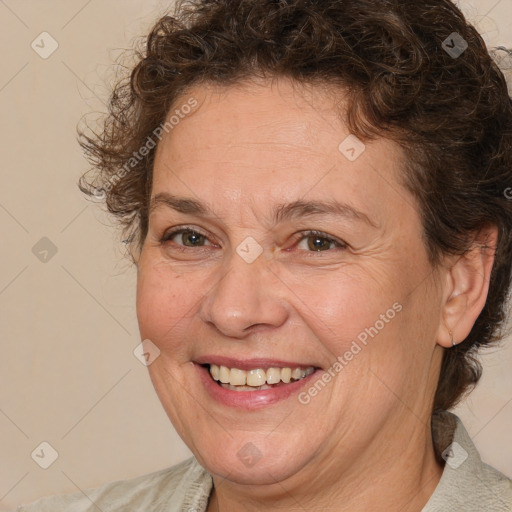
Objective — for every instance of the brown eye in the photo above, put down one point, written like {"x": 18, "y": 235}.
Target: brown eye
{"x": 185, "y": 237}
{"x": 191, "y": 239}
{"x": 316, "y": 241}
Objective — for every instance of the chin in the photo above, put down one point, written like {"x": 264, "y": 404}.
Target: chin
{"x": 245, "y": 462}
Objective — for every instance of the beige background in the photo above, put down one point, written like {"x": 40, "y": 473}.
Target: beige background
{"x": 68, "y": 326}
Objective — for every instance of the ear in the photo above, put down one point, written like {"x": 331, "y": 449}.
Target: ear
{"x": 466, "y": 286}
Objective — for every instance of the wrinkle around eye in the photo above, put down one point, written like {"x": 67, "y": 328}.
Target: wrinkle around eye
{"x": 302, "y": 237}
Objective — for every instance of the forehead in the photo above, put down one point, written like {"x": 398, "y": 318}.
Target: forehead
{"x": 270, "y": 141}
{"x": 278, "y": 112}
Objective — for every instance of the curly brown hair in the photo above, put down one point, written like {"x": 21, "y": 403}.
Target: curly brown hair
{"x": 451, "y": 114}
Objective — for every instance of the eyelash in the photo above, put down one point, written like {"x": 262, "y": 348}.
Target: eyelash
{"x": 304, "y": 235}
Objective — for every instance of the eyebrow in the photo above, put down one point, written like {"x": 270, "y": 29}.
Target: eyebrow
{"x": 283, "y": 212}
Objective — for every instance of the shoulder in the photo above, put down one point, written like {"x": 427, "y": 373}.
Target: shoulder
{"x": 185, "y": 485}
{"x": 467, "y": 482}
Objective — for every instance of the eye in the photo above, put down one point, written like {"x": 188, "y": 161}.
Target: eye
{"x": 187, "y": 236}
{"x": 312, "y": 241}
{"x": 318, "y": 241}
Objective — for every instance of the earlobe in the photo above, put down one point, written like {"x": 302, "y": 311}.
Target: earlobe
{"x": 467, "y": 285}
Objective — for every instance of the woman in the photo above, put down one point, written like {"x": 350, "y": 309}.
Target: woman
{"x": 314, "y": 193}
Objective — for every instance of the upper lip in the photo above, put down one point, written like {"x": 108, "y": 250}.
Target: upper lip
{"x": 250, "y": 364}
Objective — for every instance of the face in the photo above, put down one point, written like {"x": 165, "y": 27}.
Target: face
{"x": 272, "y": 248}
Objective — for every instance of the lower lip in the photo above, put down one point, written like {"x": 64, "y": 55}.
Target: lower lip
{"x": 250, "y": 400}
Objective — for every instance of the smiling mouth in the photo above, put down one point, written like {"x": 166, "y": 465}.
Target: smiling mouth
{"x": 257, "y": 379}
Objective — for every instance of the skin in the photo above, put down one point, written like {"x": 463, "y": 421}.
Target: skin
{"x": 363, "y": 442}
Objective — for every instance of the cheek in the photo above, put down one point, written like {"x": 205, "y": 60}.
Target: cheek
{"x": 341, "y": 305}
{"x": 164, "y": 301}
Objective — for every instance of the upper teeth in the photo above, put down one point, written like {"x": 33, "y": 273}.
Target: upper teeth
{"x": 259, "y": 376}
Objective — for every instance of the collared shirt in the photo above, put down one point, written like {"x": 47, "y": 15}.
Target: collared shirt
{"x": 466, "y": 485}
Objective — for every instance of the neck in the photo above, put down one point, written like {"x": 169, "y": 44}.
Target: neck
{"x": 399, "y": 475}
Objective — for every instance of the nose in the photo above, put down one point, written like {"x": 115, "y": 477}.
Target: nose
{"x": 247, "y": 297}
